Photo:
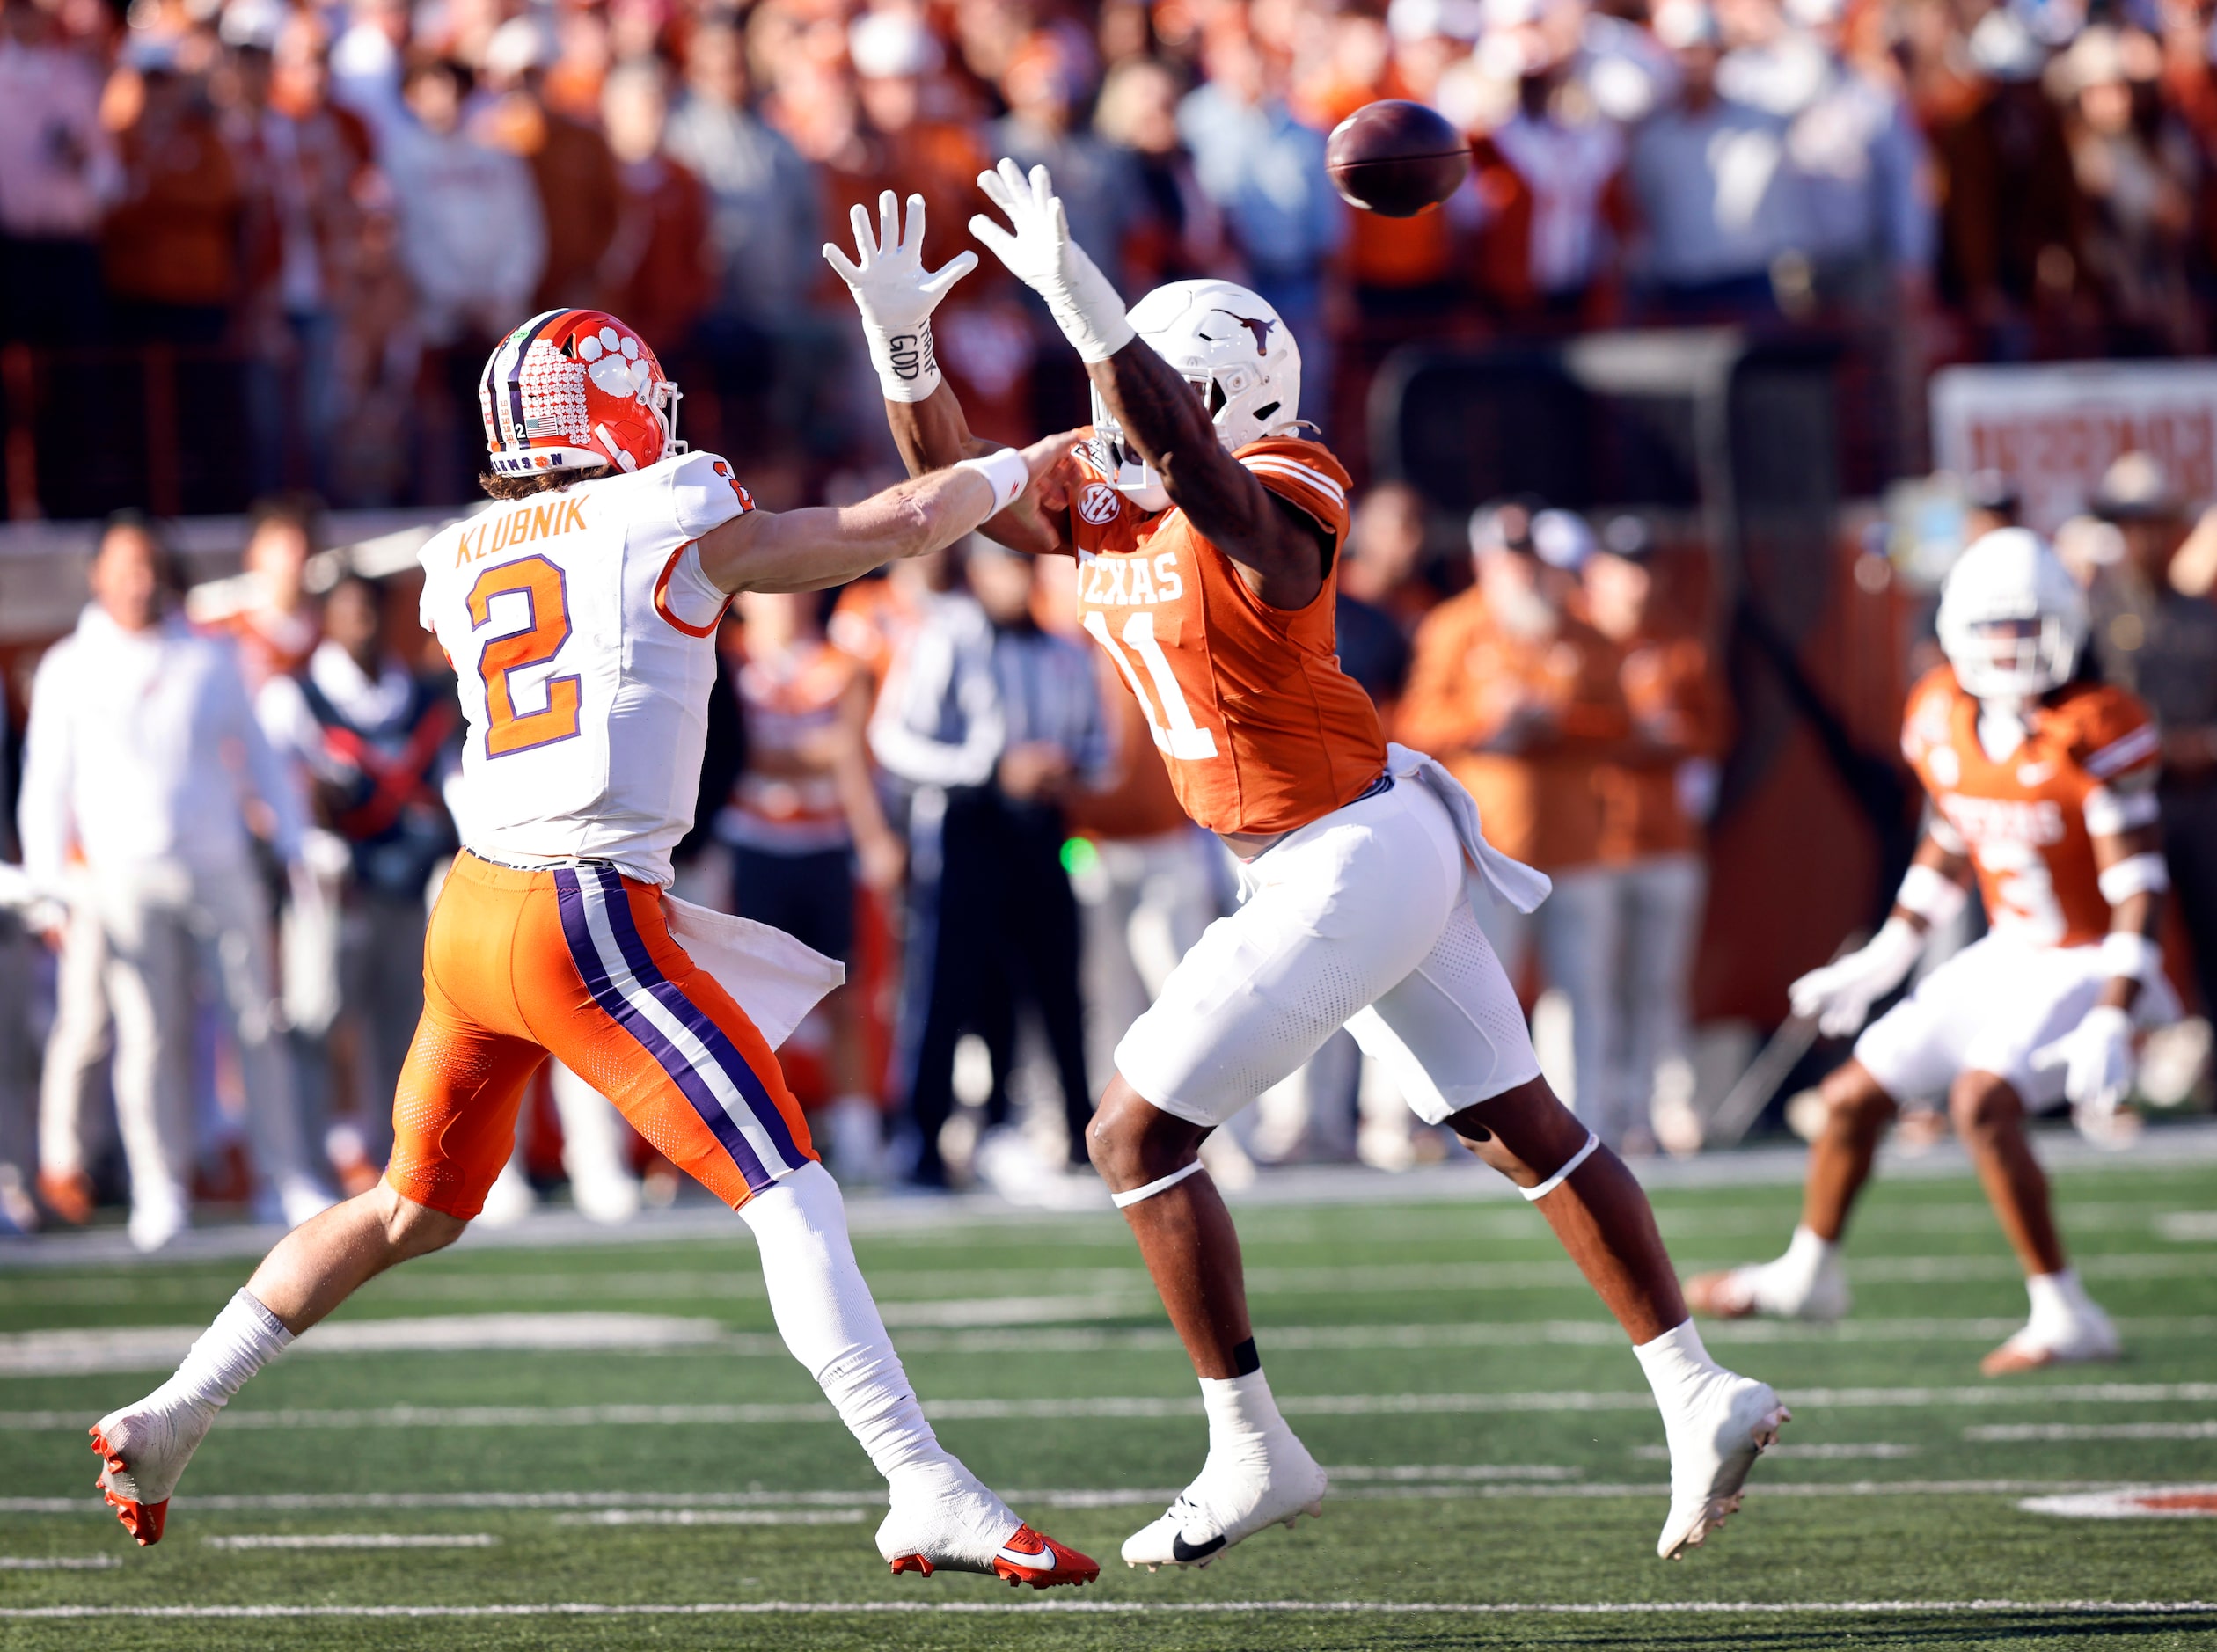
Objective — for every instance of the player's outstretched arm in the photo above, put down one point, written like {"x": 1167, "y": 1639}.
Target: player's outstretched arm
{"x": 896, "y": 296}
{"x": 1934, "y": 889}
{"x": 1162, "y": 416}
{"x": 814, "y": 549}
{"x": 2096, "y": 1057}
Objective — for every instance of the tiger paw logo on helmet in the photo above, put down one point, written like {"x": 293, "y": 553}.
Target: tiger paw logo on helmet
{"x": 573, "y": 389}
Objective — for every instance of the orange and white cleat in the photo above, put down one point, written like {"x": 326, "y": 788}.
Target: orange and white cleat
{"x": 143, "y": 1450}
{"x": 948, "y": 1521}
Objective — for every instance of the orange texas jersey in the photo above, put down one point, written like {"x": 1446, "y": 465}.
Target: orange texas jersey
{"x": 2024, "y": 820}
{"x": 1262, "y": 731}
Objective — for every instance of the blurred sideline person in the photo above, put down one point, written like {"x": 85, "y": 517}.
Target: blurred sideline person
{"x": 267, "y": 610}
{"x": 1058, "y": 750}
{"x": 1520, "y": 698}
{"x": 1656, "y": 795}
{"x": 803, "y": 818}
{"x": 2043, "y": 787}
{"x": 2161, "y": 643}
{"x": 937, "y": 732}
{"x": 1206, "y": 533}
{"x": 142, "y": 751}
{"x": 580, "y": 614}
{"x": 377, "y": 742}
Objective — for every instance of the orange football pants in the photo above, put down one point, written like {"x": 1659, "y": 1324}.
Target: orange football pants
{"x": 576, "y": 962}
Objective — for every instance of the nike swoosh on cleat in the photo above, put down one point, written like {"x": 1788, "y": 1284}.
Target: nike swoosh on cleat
{"x": 1041, "y": 1561}
{"x": 1185, "y": 1553}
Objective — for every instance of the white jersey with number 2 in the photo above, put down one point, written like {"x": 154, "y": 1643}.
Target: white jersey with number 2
{"x": 583, "y": 633}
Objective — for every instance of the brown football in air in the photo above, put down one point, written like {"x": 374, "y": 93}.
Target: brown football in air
{"x": 1396, "y": 158}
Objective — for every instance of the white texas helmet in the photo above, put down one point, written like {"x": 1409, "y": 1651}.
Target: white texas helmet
{"x": 1233, "y": 348}
{"x": 2012, "y": 620}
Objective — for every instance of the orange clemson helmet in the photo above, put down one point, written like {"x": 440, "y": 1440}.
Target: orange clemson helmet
{"x": 571, "y": 389}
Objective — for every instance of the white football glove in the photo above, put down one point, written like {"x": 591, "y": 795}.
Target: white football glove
{"x": 895, "y": 296}
{"x": 2096, "y": 1059}
{"x": 1040, "y": 254}
{"x": 1841, "y": 994}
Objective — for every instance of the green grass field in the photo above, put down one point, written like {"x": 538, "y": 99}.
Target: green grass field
{"x": 1494, "y": 1455}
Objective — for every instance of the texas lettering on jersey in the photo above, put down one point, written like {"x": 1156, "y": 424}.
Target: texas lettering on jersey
{"x": 1263, "y": 731}
{"x": 2028, "y": 821}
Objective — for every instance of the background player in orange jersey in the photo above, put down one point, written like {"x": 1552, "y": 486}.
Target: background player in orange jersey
{"x": 2044, "y": 788}
{"x": 1206, "y": 533}
{"x": 580, "y": 614}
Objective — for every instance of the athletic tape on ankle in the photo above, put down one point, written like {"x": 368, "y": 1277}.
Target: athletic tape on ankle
{"x": 1563, "y": 1175}
{"x": 1161, "y": 1185}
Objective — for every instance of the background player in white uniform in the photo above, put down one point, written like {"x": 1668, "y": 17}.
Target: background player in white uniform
{"x": 1207, "y": 531}
{"x": 2044, "y": 789}
{"x": 580, "y": 620}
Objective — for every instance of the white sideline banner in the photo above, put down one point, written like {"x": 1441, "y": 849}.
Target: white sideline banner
{"x": 2052, "y": 428}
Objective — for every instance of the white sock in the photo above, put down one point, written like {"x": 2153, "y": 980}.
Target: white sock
{"x": 1241, "y": 1414}
{"x": 829, "y": 1320}
{"x": 245, "y": 1336}
{"x": 2057, "y": 1298}
{"x": 1806, "y": 1255}
{"x": 1675, "y": 1363}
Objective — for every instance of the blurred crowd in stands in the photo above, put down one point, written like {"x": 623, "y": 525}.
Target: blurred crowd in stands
{"x": 341, "y": 205}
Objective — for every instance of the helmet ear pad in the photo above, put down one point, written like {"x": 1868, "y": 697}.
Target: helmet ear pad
{"x": 2011, "y": 576}
{"x": 1237, "y": 353}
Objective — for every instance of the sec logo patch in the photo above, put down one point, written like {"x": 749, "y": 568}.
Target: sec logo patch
{"x": 1099, "y": 504}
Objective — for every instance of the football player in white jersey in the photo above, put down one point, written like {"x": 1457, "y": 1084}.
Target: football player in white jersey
{"x": 579, "y": 614}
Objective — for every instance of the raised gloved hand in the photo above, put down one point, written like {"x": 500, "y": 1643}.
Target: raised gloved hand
{"x": 1841, "y": 994}
{"x": 1039, "y": 252}
{"x": 2095, "y": 1057}
{"x": 896, "y": 295}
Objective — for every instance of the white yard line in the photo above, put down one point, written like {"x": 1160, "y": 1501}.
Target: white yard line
{"x": 354, "y": 1541}
{"x": 1079, "y": 1603}
{"x": 157, "y": 1348}
{"x": 1876, "y": 1449}
{"x": 58, "y": 1563}
{"x": 2203, "y": 1430}
{"x": 1137, "y": 1406}
{"x": 1417, "y": 1485}
{"x": 714, "y": 1517}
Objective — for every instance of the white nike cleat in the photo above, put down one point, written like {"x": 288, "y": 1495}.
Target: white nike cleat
{"x": 1784, "y": 1289}
{"x": 1726, "y": 1421}
{"x": 2085, "y": 1336}
{"x": 144, "y": 1449}
{"x": 1229, "y": 1501}
{"x": 945, "y": 1519}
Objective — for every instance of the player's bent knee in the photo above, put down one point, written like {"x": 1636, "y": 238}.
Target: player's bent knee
{"x": 1982, "y": 1105}
{"x": 413, "y": 1229}
{"x": 1132, "y": 1143}
{"x": 1526, "y": 1133}
{"x": 1854, "y": 1099}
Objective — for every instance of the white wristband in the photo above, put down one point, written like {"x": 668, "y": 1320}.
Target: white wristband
{"x": 907, "y": 363}
{"x": 1930, "y": 894}
{"x": 2131, "y": 956}
{"x": 1007, "y": 472}
{"x": 2135, "y": 874}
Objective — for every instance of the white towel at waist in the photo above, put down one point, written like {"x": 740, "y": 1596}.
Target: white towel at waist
{"x": 770, "y": 975}
{"x": 1507, "y": 880}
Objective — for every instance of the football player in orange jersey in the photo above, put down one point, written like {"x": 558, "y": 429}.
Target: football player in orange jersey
{"x": 2043, "y": 789}
{"x": 1207, "y": 534}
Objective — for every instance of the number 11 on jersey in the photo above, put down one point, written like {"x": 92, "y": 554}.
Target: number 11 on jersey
{"x": 1174, "y": 731}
